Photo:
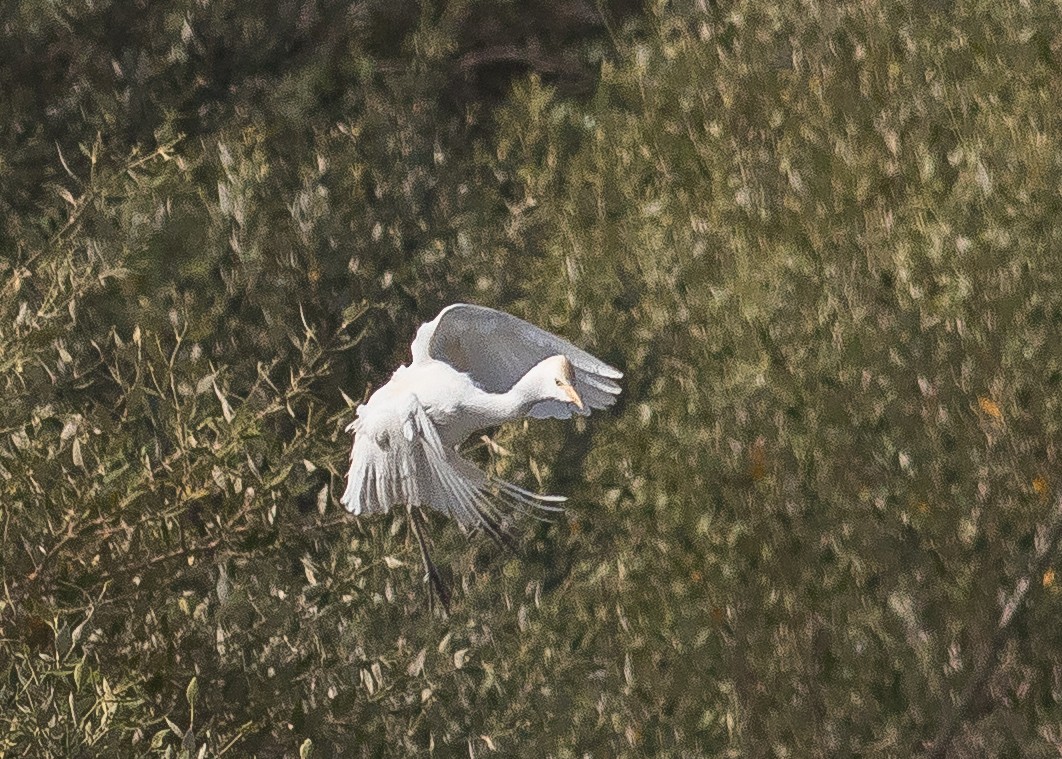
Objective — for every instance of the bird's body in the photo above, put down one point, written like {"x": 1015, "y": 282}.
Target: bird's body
{"x": 441, "y": 390}
{"x": 472, "y": 368}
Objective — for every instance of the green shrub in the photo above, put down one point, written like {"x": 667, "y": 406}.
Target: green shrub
{"x": 819, "y": 239}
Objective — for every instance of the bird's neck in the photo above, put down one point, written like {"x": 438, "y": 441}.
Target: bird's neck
{"x": 515, "y": 402}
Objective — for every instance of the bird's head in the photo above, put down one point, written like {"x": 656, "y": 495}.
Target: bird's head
{"x": 558, "y": 380}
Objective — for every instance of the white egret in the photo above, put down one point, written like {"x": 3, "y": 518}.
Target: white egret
{"x": 472, "y": 368}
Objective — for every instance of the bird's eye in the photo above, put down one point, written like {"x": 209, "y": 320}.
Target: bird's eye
{"x": 559, "y": 383}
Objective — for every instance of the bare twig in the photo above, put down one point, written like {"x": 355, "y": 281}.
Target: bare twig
{"x": 961, "y": 711}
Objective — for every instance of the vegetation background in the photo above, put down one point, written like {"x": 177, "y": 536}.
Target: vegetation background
{"x": 822, "y": 240}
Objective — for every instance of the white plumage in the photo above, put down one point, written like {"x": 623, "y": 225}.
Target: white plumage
{"x": 473, "y": 367}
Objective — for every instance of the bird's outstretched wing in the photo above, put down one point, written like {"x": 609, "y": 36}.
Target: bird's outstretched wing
{"x": 496, "y": 349}
{"x": 398, "y": 459}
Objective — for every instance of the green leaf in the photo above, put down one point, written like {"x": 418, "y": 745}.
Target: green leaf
{"x": 173, "y": 726}
{"x": 191, "y": 693}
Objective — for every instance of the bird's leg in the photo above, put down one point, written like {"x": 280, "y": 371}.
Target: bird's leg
{"x": 416, "y": 518}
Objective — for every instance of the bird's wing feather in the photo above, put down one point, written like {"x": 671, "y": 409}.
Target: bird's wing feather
{"x": 496, "y": 349}
{"x": 398, "y": 459}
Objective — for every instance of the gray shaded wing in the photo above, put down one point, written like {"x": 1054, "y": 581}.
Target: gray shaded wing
{"x": 496, "y": 349}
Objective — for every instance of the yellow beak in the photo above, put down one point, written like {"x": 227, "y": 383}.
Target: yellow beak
{"x": 573, "y": 396}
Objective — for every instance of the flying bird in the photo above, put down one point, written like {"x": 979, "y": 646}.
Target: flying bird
{"x": 473, "y": 367}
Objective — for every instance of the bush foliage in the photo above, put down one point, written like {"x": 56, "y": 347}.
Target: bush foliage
{"x": 820, "y": 239}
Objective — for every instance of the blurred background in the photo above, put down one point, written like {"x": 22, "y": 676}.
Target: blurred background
{"x": 821, "y": 239}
